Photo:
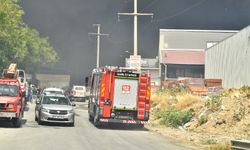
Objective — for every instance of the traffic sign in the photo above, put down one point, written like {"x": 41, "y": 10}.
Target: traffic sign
{"x": 135, "y": 62}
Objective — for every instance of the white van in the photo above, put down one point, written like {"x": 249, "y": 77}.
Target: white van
{"x": 78, "y": 92}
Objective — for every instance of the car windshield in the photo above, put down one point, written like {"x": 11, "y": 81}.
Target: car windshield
{"x": 55, "y": 100}
{"x": 8, "y": 90}
{"x": 79, "y": 88}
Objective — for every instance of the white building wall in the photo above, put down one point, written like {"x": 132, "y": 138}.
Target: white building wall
{"x": 230, "y": 60}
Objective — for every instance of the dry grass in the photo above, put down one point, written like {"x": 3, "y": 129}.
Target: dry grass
{"x": 165, "y": 100}
{"x": 220, "y": 147}
{"x": 160, "y": 100}
{"x": 186, "y": 100}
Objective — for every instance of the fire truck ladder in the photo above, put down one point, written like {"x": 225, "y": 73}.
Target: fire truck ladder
{"x": 142, "y": 96}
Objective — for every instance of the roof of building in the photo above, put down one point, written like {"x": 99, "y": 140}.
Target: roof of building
{"x": 197, "y": 30}
{"x": 191, "y": 39}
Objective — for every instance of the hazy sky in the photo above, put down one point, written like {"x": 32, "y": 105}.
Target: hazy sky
{"x": 67, "y": 23}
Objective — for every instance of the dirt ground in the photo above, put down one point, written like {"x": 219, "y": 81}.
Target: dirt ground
{"x": 227, "y": 117}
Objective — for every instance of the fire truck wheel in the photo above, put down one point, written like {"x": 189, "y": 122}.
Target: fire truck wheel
{"x": 36, "y": 118}
{"x": 17, "y": 122}
{"x": 91, "y": 118}
{"x": 23, "y": 112}
{"x": 140, "y": 125}
{"x": 96, "y": 118}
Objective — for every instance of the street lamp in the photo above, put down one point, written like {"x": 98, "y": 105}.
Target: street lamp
{"x": 127, "y": 52}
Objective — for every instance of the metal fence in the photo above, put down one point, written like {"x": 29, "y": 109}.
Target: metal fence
{"x": 240, "y": 145}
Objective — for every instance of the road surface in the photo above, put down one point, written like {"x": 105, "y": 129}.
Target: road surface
{"x": 84, "y": 136}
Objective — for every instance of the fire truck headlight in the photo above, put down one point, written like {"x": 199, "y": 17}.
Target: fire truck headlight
{"x": 107, "y": 102}
{"x": 11, "y": 106}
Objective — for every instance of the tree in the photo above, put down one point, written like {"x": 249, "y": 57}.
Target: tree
{"x": 19, "y": 43}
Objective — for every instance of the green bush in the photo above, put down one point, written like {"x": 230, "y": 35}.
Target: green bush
{"x": 214, "y": 103}
{"x": 210, "y": 141}
{"x": 245, "y": 90}
{"x": 239, "y": 114}
{"x": 203, "y": 119}
{"x": 175, "y": 118}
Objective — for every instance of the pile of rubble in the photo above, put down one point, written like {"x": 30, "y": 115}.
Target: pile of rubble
{"x": 219, "y": 117}
{"x": 197, "y": 86}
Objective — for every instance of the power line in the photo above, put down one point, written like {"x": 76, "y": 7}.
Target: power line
{"x": 149, "y": 5}
{"x": 180, "y": 12}
{"x": 135, "y": 14}
{"x": 176, "y": 14}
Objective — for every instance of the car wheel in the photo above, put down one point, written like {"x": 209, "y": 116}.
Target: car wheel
{"x": 39, "y": 121}
{"x": 72, "y": 124}
{"x": 17, "y": 122}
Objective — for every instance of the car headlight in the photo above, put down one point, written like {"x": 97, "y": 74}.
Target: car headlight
{"x": 45, "y": 110}
{"x": 70, "y": 111}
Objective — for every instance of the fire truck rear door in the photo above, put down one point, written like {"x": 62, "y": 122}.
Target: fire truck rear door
{"x": 125, "y": 93}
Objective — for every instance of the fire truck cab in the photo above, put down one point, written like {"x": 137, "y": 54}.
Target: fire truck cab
{"x": 119, "y": 96}
{"x": 11, "y": 97}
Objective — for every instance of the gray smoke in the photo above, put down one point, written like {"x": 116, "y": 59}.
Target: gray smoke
{"x": 68, "y": 22}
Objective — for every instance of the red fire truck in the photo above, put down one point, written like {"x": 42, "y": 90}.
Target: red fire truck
{"x": 119, "y": 96}
{"x": 11, "y": 97}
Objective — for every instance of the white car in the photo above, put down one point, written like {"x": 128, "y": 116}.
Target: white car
{"x": 53, "y": 90}
{"x": 54, "y": 108}
{"x": 78, "y": 92}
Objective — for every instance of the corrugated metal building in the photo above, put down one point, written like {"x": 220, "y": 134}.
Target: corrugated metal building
{"x": 229, "y": 60}
{"x": 182, "y": 52}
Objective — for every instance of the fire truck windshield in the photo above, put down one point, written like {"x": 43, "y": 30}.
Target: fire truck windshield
{"x": 8, "y": 90}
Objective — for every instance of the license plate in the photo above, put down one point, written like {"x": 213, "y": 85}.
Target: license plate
{"x": 7, "y": 114}
{"x": 58, "y": 117}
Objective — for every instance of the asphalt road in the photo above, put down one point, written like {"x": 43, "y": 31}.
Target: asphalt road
{"x": 84, "y": 136}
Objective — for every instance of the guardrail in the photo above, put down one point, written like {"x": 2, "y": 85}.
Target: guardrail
{"x": 240, "y": 145}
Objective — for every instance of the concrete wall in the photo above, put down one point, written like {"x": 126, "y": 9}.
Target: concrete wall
{"x": 230, "y": 60}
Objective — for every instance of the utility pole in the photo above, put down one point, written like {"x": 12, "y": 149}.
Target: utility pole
{"x": 98, "y": 34}
{"x": 135, "y": 14}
